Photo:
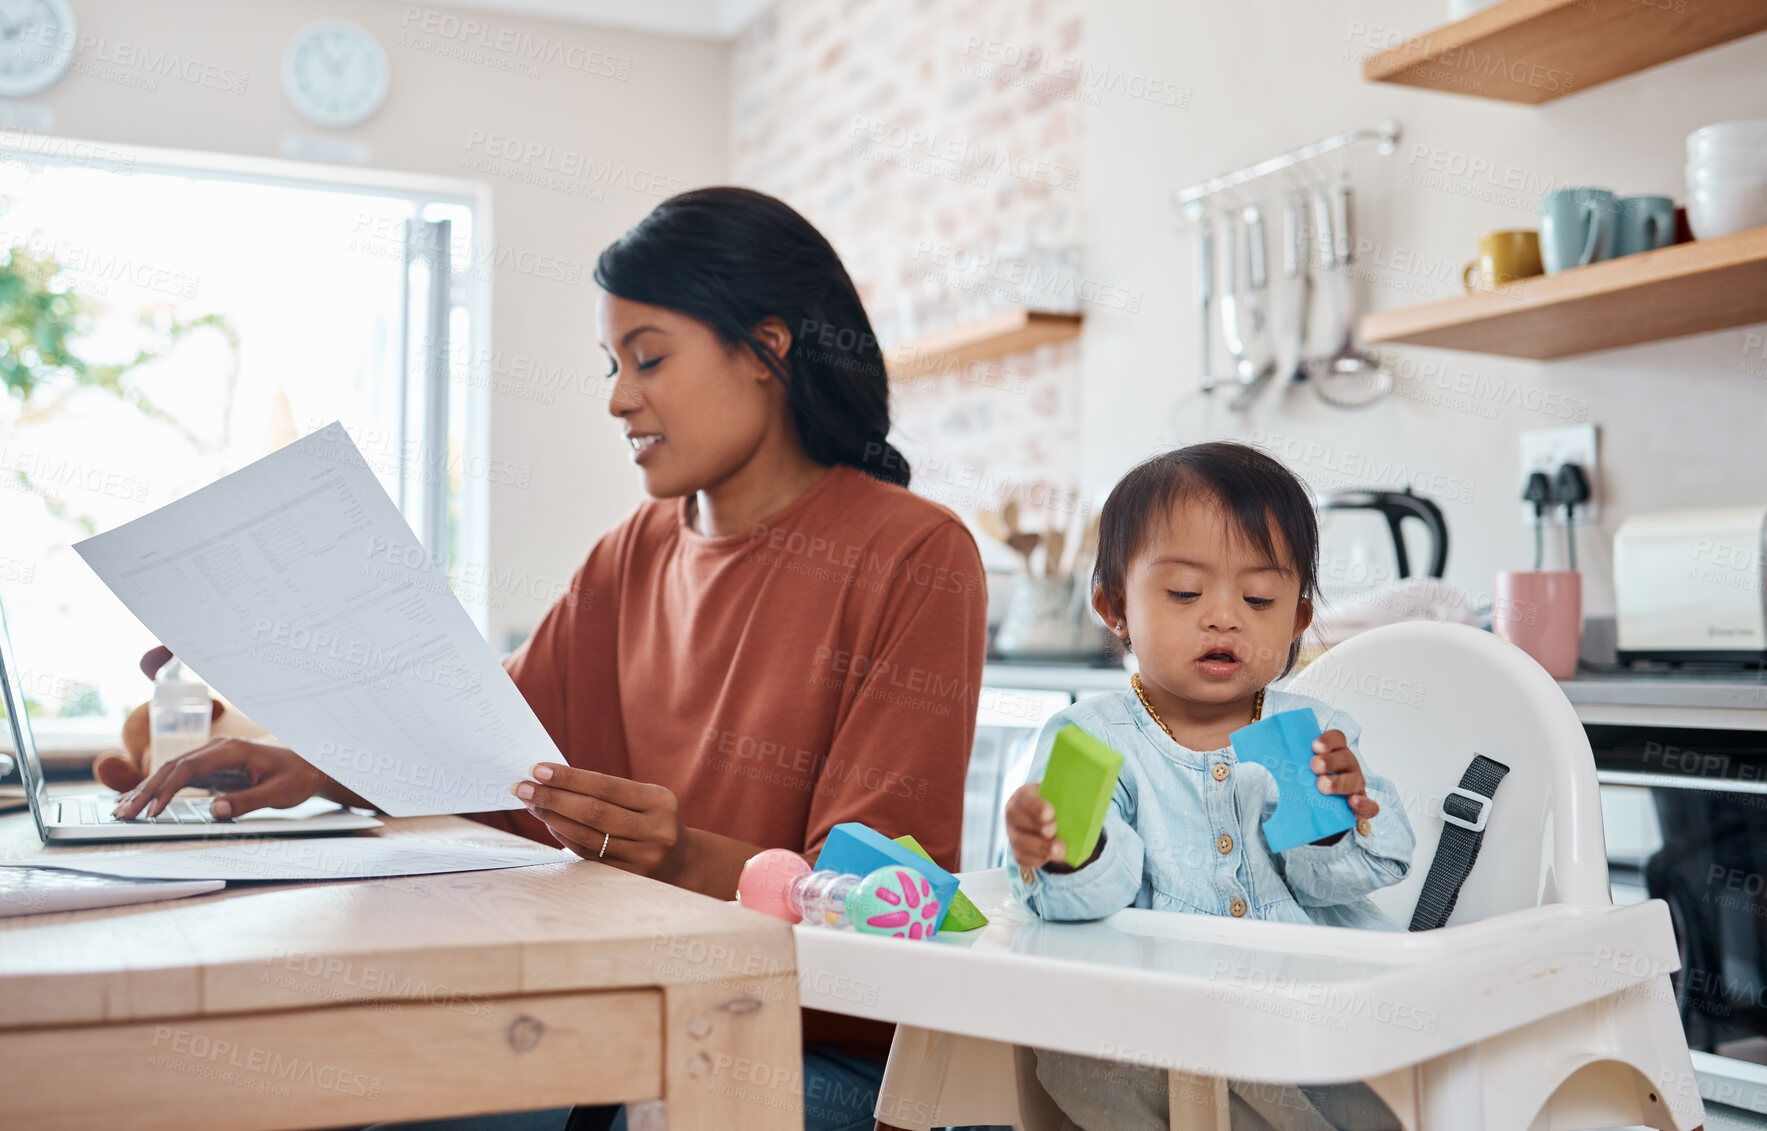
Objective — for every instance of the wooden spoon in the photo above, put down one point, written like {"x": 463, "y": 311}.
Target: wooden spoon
{"x": 1086, "y": 551}
{"x": 994, "y": 526}
{"x": 1054, "y": 541}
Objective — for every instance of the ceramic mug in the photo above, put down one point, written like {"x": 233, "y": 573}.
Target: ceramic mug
{"x": 1577, "y": 227}
{"x": 1645, "y": 224}
{"x": 1540, "y": 611}
{"x": 1503, "y": 258}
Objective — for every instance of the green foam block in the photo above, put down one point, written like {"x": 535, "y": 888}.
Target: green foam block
{"x": 962, "y": 915}
{"x": 1079, "y": 780}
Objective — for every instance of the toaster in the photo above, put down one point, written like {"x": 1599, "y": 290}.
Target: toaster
{"x": 1688, "y": 586}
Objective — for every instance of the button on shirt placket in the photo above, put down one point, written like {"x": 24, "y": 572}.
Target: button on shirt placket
{"x": 1223, "y": 806}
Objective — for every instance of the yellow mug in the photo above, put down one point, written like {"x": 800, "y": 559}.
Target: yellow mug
{"x": 1503, "y": 258}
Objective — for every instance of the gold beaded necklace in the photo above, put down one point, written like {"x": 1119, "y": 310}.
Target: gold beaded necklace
{"x": 1135, "y": 682}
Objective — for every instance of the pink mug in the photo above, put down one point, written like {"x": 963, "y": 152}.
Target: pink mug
{"x": 1541, "y": 612}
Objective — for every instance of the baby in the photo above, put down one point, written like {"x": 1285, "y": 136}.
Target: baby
{"x": 1207, "y": 566}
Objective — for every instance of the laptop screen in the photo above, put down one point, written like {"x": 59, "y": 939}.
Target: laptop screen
{"x": 12, "y": 702}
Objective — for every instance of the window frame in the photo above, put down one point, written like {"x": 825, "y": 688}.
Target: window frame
{"x": 471, "y": 289}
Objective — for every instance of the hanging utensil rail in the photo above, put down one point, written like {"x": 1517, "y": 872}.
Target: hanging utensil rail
{"x": 1386, "y": 134}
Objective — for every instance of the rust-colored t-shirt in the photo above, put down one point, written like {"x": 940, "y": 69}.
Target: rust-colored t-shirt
{"x": 823, "y": 666}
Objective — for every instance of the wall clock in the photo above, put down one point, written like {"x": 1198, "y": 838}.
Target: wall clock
{"x": 37, "y": 41}
{"x": 335, "y": 73}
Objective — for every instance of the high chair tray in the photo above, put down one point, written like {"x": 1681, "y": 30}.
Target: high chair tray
{"x": 1240, "y": 998}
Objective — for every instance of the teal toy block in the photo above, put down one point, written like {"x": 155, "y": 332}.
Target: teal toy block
{"x": 1283, "y": 744}
{"x": 856, "y": 849}
{"x": 1079, "y": 779}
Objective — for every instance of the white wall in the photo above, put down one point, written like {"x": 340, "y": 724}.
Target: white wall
{"x": 666, "y": 117}
{"x": 1680, "y": 420}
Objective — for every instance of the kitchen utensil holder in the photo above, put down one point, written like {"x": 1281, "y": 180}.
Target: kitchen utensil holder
{"x": 1047, "y": 618}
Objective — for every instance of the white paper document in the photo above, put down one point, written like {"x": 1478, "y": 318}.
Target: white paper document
{"x": 307, "y": 858}
{"x": 296, "y": 589}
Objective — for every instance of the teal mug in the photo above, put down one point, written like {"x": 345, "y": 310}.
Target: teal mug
{"x": 1577, "y": 227}
{"x": 1645, "y": 224}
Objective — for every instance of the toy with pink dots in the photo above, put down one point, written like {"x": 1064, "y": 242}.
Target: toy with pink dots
{"x": 894, "y": 900}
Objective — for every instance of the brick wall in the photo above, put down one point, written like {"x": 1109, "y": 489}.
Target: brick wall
{"x": 925, "y": 137}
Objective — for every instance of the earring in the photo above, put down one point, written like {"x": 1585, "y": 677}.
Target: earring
{"x": 1119, "y": 626}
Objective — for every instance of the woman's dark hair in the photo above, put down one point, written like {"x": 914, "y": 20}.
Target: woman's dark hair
{"x": 733, "y": 257}
{"x": 1255, "y": 492}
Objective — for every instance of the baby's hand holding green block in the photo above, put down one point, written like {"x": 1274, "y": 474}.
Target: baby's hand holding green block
{"x": 1060, "y": 818}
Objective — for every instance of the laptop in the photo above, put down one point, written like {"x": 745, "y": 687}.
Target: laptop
{"x": 83, "y": 819}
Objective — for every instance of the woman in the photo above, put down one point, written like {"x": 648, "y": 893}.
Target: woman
{"x": 783, "y": 638}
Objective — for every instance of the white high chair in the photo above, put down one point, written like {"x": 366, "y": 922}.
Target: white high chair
{"x": 1428, "y": 696}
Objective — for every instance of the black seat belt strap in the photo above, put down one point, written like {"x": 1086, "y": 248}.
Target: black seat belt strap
{"x": 1465, "y": 812}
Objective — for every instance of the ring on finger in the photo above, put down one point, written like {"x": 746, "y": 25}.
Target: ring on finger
{"x": 605, "y": 837}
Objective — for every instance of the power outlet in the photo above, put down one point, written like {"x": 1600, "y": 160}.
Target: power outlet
{"x": 1546, "y": 450}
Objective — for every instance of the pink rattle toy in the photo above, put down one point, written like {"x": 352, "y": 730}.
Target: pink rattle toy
{"x": 894, "y": 900}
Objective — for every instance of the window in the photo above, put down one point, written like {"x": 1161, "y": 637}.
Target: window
{"x": 261, "y": 304}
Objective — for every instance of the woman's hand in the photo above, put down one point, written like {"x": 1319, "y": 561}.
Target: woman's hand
{"x": 1339, "y": 772}
{"x": 1030, "y": 828}
{"x": 275, "y": 776}
{"x": 629, "y": 824}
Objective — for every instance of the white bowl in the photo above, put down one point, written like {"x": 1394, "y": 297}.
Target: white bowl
{"x": 1727, "y": 138}
{"x": 1735, "y": 129}
{"x": 1701, "y": 175}
{"x": 1733, "y": 163}
{"x": 1723, "y": 208}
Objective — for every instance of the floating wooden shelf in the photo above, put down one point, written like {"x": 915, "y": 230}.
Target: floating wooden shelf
{"x": 1689, "y": 288}
{"x": 1010, "y": 331}
{"x": 1534, "y": 51}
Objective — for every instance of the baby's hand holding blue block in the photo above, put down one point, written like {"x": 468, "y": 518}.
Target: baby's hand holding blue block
{"x": 1283, "y": 744}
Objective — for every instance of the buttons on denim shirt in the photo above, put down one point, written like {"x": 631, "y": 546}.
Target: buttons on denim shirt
{"x": 1236, "y": 908}
{"x": 1220, "y": 771}
{"x": 1026, "y": 875}
{"x": 1363, "y": 828}
{"x": 1224, "y": 844}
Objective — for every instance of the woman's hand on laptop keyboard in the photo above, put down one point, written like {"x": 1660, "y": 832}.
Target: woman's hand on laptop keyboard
{"x": 278, "y": 778}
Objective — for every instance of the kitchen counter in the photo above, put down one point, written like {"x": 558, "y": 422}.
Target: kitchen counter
{"x": 1705, "y": 700}
{"x": 1080, "y": 679}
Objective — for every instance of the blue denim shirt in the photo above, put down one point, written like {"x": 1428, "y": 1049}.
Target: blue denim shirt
{"x": 1178, "y": 839}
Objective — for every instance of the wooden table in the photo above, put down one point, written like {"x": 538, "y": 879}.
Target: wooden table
{"x": 338, "y": 1004}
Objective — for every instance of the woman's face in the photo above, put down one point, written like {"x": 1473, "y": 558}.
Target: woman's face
{"x": 693, "y": 410}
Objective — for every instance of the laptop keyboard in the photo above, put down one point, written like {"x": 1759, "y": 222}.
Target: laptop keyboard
{"x": 181, "y": 811}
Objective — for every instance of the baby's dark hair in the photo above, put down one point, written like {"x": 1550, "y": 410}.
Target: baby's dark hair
{"x": 1254, "y": 491}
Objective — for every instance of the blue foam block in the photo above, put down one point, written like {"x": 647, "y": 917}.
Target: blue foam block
{"x": 857, "y": 849}
{"x": 1283, "y": 744}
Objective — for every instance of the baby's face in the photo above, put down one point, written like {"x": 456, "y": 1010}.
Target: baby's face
{"x": 1211, "y": 620}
